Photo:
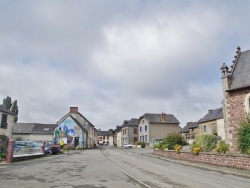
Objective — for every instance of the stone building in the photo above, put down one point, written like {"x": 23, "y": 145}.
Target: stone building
{"x": 236, "y": 91}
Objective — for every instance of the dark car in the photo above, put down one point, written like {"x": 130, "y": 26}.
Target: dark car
{"x": 51, "y": 148}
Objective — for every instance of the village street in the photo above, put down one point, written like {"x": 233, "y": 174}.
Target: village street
{"x": 111, "y": 167}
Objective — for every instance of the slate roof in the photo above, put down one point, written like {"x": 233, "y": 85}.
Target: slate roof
{"x": 34, "y": 128}
{"x": 212, "y": 115}
{"x": 133, "y": 122}
{"x": 189, "y": 125}
{"x": 118, "y": 128}
{"x": 104, "y": 133}
{"x": 3, "y": 109}
{"x": 156, "y": 118}
{"x": 240, "y": 76}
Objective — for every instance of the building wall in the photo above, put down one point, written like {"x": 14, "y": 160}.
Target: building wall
{"x": 10, "y": 121}
{"x": 68, "y": 131}
{"x": 161, "y": 131}
{"x": 143, "y": 135}
{"x": 221, "y": 128}
{"x": 211, "y": 128}
{"x": 33, "y": 137}
{"x": 119, "y": 139}
{"x": 128, "y": 134}
{"x": 235, "y": 109}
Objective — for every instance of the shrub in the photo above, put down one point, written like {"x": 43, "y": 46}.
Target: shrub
{"x": 143, "y": 145}
{"x": 196, "y": 148}
{"x": 177, "y": 148}
{"x": 173, "y": 139}
{"x": 222, "y": 147}
{"x": 207, "y": 141}
{"x": 162, "y": 145}
{"x": 243, "y": 135}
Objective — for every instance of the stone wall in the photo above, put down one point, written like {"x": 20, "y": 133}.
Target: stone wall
{"x": 229, "y": 160}
{"x": 235, "y": 113}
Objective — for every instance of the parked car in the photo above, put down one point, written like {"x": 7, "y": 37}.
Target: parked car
{"x": 127, "y": 146}
{"x": 51, "y": 148}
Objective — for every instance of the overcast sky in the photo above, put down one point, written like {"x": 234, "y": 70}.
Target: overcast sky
{"x": 116, "y": 59}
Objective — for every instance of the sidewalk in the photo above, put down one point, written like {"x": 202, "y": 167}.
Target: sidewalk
{"x": 221, "y": 169}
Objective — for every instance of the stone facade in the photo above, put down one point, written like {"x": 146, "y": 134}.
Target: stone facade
{"x": 235, "y": 112}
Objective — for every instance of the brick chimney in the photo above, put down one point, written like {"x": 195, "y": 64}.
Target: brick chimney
{"x": 163, "y": 119}
{"x": 74, "y": 110}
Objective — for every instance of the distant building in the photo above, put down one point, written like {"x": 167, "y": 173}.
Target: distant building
{"x": 212, "y": 123}
{"x": 33, "y": 131}
{"x": 75, "y": 130}
{"x": 130, "y": 131}
{"x": 153, "y": 128}
{"x": 189, "y": 132}
{"x": 105, "y": 138}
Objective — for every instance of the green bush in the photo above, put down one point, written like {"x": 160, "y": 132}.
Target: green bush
{"x": 143, "y": 145}
{"x": 222, "y": 147}
{"x": 207, "y": 142}
{"x": 173, "y": 139}
{"x": 243, "y": 135}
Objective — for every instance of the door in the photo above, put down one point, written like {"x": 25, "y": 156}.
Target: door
{"x": 76, "y": 142}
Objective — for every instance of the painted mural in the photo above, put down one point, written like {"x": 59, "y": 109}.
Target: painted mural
{"x": 69, "y": 132}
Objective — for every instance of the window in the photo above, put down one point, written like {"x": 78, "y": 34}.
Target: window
{"x": 146, "y": 138}
{"x": 146, "y": 128}
{"x": 135, "y": 131}
{"x": 135, "y": 139}
{"x": 140, "y": 138}
{"x": 107, "y": 137}
{"x": 4, "y": 121}
{"x": 103, "y": 137}
{"x": 205, "y": 128}
{"x": 140, "y": 129}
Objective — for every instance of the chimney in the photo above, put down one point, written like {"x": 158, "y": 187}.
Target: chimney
{"x": 210, "y": 111}
{"x": 163, "y": 117}
{"x": 99, "y": 129}
{"x": 74, "y": 110}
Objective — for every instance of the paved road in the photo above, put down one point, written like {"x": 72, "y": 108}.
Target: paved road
{"x": 111, "y": 167}
{"x": 158, "y": 173}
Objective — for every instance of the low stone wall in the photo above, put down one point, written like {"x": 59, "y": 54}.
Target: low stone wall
{"x": 229, "y": 160}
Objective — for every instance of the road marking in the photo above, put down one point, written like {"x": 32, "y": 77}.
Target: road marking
{"x": 134, "y": 178}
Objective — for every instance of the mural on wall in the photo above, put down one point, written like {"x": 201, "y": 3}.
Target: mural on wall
{"x": 67, "y": 131}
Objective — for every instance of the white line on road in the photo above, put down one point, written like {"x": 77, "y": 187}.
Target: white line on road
{"x": 134, "y": 178}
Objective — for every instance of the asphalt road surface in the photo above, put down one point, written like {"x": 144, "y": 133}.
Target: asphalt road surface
{"x": 110, "y": 167}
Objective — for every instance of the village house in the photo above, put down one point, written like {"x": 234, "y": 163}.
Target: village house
{"x": 212, "y": 123}
{"x": 33, "y": 131}
{"x": 130, "y": 132}
{"x": 236, "y": 92}
{"x": 75, "y": 130}
{"x": 7, "y": 121}
{"x": 105, "y": 138}
{"x": 153, "y": 128}
{"x": 189, "y": 132}
{"x": 117, "y": 136}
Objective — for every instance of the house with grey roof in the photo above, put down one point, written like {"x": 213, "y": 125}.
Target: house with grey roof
{"x": 117, "y": 136}
{"x": 129, "y": 133}
{"x": 189, "y": 131}
{"x": 212, "y": 123}
{"x": 236, "y": 94}
{"x": 7, "y": 121}
{"x": 75, "y": 130}
{"x": 153, "y": 128}
{"x": 33, "y": 131}
{"x": 105, "y": 138}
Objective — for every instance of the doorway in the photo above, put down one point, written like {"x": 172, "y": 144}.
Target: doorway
{"x": 76, "y": 142}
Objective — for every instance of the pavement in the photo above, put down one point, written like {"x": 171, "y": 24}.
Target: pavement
{"x": 204, "y": 166}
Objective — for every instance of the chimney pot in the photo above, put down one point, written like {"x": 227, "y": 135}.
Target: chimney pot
{"x": 74, "y": 110}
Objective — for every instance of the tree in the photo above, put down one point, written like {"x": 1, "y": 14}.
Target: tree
{"x": 7, "y": 102}
{"x": 14, "y": 109}
{"x": 11, "y": 106}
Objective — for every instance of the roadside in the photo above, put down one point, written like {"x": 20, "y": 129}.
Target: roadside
{"x": 204, "y": 166}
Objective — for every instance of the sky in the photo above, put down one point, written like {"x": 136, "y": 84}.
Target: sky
{"x": 115, "y": 59}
